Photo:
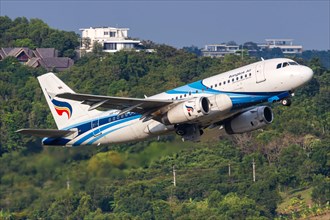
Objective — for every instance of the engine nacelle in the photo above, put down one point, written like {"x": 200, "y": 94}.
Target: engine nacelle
{"x": 250, "y": 120}
{"x": 187, "y": 111}
{"x": 220, "y": 103}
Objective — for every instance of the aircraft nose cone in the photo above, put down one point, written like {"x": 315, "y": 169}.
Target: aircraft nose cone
{"x": 308, "y": 74}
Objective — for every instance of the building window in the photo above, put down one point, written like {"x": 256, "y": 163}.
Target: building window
{"x": 110, "y": 46}
{"x": 128, "y": 46}
{"x": 112, "y": 34}
{"x": 106, "y": 33}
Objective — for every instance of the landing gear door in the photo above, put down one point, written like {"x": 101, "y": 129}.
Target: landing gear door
{"x": 260, "y": 74}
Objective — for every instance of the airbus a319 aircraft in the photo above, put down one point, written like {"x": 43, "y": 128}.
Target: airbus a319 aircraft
{"x": 231, "y": 100}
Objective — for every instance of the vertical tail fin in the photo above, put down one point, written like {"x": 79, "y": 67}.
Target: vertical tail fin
{"x": 65, "y": 112}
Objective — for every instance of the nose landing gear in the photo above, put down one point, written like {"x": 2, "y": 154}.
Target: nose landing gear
{"x": 286, "y": 102}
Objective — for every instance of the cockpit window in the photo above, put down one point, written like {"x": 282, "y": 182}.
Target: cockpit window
{"x": 280, "y": 65}
{"x": 293, "y": 63}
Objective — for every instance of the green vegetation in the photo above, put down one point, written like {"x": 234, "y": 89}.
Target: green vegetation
{"x": 134, "y": 181}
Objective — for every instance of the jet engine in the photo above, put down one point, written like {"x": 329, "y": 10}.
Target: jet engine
{"x": 250, "y": 120}
{"x": 221, "y": 103}
{"x": 187, "y": 111}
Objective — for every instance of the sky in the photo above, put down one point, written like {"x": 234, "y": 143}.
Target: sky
{"x": 186, "y": 23}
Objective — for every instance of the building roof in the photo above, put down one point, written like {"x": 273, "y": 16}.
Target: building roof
{"x": 33, "y": 62}
{"x": 45, "y": 57}
{"x": 45, "y": 52}
{"x": 16, "y": 51}
{"x": 279, "y": 39}
{"x": 57, "y": 62}
{"x": 91, "y": 28}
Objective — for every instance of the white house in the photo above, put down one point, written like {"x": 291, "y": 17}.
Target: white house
{"x": 286, "y": 45}
{"x": 112, "y": 39}
{"x": 219, "y": 50}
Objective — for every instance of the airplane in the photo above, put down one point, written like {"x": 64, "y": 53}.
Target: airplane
{"x": 230, "y": 100}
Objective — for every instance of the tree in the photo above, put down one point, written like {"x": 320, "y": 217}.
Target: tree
{"x": 97, "y": 48}
{"x": 234, "y": 207}
{"x": 26, "y": 42}
{"x": 321, "y": 190}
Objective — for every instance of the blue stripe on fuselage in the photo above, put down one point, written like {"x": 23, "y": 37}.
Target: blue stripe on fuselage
{"x": 86, "y": 126}
{"x": 106, "y": 126}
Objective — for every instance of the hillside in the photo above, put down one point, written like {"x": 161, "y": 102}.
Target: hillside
{"x": 134, "y": 181}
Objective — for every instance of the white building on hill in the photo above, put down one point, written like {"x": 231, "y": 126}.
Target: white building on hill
{"x": 112, "y": 39}
{"x": 219, "y": 50}
{"x": 286, "y": 45}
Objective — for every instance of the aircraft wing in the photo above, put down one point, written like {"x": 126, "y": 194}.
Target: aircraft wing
{"x": 45, "y": 132}
{"x": 142, "y": 106}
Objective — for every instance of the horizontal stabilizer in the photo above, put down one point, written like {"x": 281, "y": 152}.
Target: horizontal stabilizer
{"x": 54, "y": 133}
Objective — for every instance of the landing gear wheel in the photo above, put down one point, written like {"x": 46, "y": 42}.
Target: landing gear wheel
{"x": 286, "y": 102}
{"x": 180, "y": 132}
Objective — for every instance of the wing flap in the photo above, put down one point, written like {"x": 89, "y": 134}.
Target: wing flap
{"x": 54, "y": 133}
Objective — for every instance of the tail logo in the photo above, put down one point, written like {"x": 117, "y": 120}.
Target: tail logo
{"x": 62, "y": 107}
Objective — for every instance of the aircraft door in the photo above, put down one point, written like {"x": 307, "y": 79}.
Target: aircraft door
{"x": 95, "y": 124}
{"x": 260, "y": 74}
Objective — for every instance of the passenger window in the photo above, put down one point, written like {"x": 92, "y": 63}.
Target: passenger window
{"x": 250, "y": 74}
{"x": 196, "y": 91}
{"x": 180, "y": 96}
{"x": 189, "y": 93}
{"x": 215, "y": 85}
{"x": 245, "y": 75}
{"x": 237, "y": 78}
{"x": 219, "y": 84}
{"x": 224, "y": 82}
{"x": 241, "y": 77}
{"x": 228, "y": 81}
{"x": 185, "y": 95}
{"x": 211, "y": 86}
{"x": 279, "y": 66}
{"x": 232, "y": 80}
